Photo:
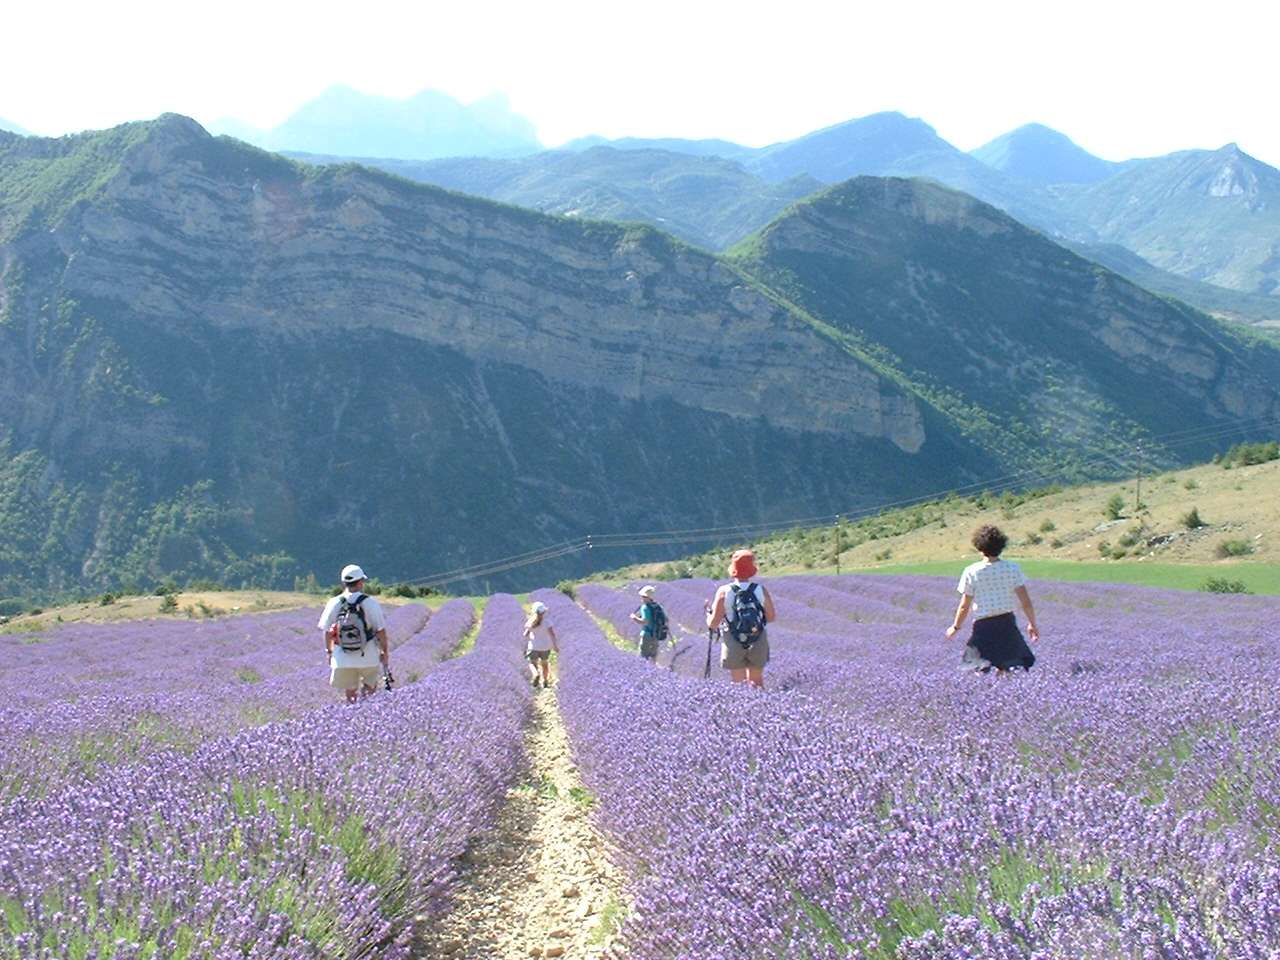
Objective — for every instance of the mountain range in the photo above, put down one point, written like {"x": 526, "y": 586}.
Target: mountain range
{"x": 220, "y": 362}
{"x": 1200, "y": 225}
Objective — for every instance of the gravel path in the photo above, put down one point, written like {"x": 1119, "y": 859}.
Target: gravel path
{"x": 540, "y": 884}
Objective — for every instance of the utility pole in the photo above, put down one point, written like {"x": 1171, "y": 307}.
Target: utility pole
{"x": 838, "y": 544}
{"x": 590, "y": 559}
{"x": 1137, "y": 487}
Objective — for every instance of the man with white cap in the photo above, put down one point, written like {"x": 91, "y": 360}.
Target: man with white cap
{"x": 653, "y": 624}
{"x": 355, "y": 666}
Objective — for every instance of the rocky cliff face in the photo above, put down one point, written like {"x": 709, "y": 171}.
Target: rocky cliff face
{"x": 183, "y": 235}
{"x": 1207, "y": 215}
{"x": 1050, "y": 346}
{"x": 216, "y": 360}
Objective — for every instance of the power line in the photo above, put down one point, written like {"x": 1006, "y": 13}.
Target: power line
{"x": 502, "y": 565}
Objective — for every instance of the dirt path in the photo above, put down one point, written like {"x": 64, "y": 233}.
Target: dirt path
{"x": 540, "y": 884}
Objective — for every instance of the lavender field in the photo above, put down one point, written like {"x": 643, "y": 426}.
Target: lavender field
{"x": 172, "y": 789}
{"x": 1119, "y": 801}
{"x": 180, "y": 789}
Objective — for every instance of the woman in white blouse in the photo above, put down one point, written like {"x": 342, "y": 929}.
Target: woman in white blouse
{"x": 990, "y": 588}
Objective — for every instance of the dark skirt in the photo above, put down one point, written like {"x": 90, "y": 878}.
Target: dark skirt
{"x": 997, "y": 642}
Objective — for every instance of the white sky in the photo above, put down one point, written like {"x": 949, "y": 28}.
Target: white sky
{"x": 1122, "y": 78}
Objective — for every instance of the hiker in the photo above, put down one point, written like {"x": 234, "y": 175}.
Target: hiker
{"x": 541, "y": 637}
{"x": 989, "y": 588}
{"x": 741, "y": 609}
{"x": 653, "y": 624}
{"x": 351, "y": 623}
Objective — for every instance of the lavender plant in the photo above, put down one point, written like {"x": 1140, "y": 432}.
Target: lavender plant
{"x": 179, "y": 789}
{"x": 318, "y": 835}
{"x": 1118, "y": 801}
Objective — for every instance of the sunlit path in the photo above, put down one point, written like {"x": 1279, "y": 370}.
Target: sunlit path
{"x": 540, "y": 884}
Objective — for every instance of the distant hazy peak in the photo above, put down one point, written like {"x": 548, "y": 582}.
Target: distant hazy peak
{"x": 886, "y": 124}
{"x": 5, "y": 125}
{"x": 1036, "y": 152}
{"x": 429, "y": 124}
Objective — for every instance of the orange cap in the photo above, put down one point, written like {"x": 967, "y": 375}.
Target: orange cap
{"x": 742, "y": 565}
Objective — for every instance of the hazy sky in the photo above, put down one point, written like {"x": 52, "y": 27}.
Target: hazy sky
{"x": 1122, "y": 78}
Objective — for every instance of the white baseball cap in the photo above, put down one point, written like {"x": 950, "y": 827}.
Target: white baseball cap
{"x": 351, "y": 573}
{"x": 646, "y": 591}
{"x": 539, "y": 607}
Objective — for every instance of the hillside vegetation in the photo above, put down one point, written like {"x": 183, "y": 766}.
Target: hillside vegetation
{"x": 1066, "y": 534}
{"x": 1105, "y": 530}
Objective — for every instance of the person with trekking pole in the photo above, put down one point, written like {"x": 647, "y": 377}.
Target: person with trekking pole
{"x": 355, "y": 636}
{"x": 741, "y": 610}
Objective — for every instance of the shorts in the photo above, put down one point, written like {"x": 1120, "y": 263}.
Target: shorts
{"x": 350, "y": 678}
{"x": 648, "y": 647}
{"x": 532, "y": 655}
{"x": 734, "y": 656}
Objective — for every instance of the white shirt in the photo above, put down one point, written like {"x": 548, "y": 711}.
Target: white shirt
{"x": 540, "y": 636}
{"x": 992, "y": 585}
{"x": 374, "y": 620}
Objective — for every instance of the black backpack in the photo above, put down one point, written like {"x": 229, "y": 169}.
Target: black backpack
{"x": 660, "y": 631}
{"x": 745, "y": 616}
{"x": 353, "y": 631}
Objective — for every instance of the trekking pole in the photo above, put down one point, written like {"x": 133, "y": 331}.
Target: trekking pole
{"x": 712, "y": 635}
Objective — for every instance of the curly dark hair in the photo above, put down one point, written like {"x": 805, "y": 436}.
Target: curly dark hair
{"x": 989, "y": 540}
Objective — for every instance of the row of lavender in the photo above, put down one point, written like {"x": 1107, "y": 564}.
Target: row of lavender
{"x": 1119, "y": 801}
{"x": 105, "y": 693}
{"x": 216, "y": 835}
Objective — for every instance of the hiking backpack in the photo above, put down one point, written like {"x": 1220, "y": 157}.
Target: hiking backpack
{"x": 745, "y": 617}
{"x": 660, "y": 631}
{"x": 353, "y": 632}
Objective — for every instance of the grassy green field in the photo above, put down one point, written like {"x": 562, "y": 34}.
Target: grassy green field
{"x": 1261, "y": 578}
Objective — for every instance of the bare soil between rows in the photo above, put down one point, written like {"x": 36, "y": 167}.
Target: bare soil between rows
{"x": 540, "y": 883}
